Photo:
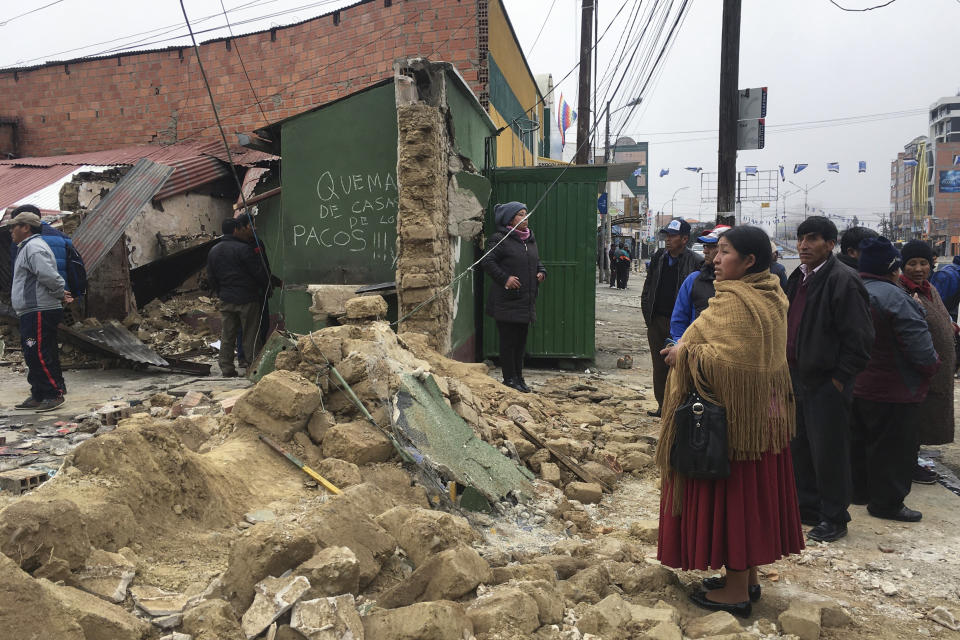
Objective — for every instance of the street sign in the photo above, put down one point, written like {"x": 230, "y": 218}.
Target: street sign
{"x": 753, "y": 103}
{"x": 750, "y": 134}
{"x": 602, "y": 203}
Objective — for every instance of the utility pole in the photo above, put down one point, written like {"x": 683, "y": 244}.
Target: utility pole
{"x": 729, "y": 112}
{"x": 607, "y": 227}
{"x": 583, "y": 114}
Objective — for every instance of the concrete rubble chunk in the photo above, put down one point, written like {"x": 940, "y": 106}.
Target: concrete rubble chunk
{"x": 366, "y": 307}
{"x": 320, "y": 421}
{"x": 645, "y": 530}
{"x": 504, "y": 607}
{"x": 664, "y": 631}
{"x": 279, "y": 405}
{"x": 581, "y": 416}
{"x": 550, "y": 472}
{"x": 106, "y": 575}
{"x": 357, "y": 442}
{"x": 802, "y": 619}
{"x": 589, "y": 585}
{"x": 549, "y": 600}
{"x": 25, "y": 604}
{"x": 640, "y": 578}
{"x": 613, "y": 612}
{"x": 328, "y": 619}
{"x": 157, "y": 602}
{"x": 212, "y": 620}
{"x": 448, "y": 575}
{"x": 176, "y": 635}
{"x": 341, "y": 473}
{"x": 440, "y": 620}
{"x": 531, "y": 571}
{"x": 426, "y": 532}
{"x": 332, "y": 571}
{"x": 585, "y": 492}
{"x": 716, "y": 624}
{"x": 97, "y": 618}
{"x": 274, "y": 597}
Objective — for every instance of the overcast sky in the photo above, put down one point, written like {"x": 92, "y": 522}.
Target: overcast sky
{"x": 819, "y": 63}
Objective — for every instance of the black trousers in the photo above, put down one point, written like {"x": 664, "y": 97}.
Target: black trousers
{"x": 38, "y": 339}
{"x": 657, "y": 333}
{"x": 513, "y": 342}
{"x": 623, "y": 273}
{"x": 883, "y": 452}
{"x": 821, "y": 450}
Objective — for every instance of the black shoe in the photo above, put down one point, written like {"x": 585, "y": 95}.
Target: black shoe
{"x": 522, "y": 384}
{"x": 49, "y": 404}
{"x": 828, "y": 531}
{"x": 513, "y": 384}
{"x": 903, "y": 515}
{"x": 925, "y": 475}
{"x": 29, "y": 403}
{"x": 741, "y": 609}
{"x": 719, "y": 582}
{"x": 654, "y": 414}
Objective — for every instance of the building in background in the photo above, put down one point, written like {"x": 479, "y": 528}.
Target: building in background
{"x": 943, "y": 176}
{"x": 908, "y": 206}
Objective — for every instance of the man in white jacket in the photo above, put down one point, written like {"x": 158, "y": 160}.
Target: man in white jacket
{"x": 37, "y": 297}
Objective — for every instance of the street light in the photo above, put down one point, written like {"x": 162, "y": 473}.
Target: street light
{"x": 806, "y": 190}
{"x": 673, "y": 199}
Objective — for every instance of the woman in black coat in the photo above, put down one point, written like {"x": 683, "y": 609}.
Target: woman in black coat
{"x": 513, "y": 263}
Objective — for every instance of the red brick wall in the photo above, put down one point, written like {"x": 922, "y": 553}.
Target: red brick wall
{"x": 159, "y": 97}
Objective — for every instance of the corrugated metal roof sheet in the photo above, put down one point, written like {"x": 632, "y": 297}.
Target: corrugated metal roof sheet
{"x": 114, "y": 337}
{"x": 16, "y": 183}
{"x": 191, "y": 173}
{"x": 168, "y": 155}
{"x": 103, "y": 226}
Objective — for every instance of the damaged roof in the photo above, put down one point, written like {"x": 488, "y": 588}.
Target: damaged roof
{"x": 194, "y": 164}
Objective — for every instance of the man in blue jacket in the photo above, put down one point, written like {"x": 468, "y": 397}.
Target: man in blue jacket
{"x": 886, "y": 394}
{"x": 58, "y": 241}
{"x": 947, "y": 282}
{"x": 697, "y": 288}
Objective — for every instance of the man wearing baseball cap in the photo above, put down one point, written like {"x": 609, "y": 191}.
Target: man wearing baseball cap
{"x": 697, "y": 289}
{"x": 37, "y": 296}
{"x": 669, "y": 267}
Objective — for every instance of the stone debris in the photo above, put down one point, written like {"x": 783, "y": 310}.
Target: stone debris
{"x": 327, "y": 619}
{"x": 157, "y": 602}
{"x": 802, "y": 619}
{"x": 106, "y": 575}
{"x": 332, "y": 571}
{"x": 716, "y": 624}
{"x": 274, "y": 597}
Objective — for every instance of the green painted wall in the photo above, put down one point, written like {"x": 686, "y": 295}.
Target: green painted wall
{"x": 338, "y": 219}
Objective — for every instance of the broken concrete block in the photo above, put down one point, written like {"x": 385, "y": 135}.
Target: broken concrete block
{"x": 802, "y": 619}
{"x": 564, "y": 565}
{"x": 357, "y": 442}
{"x": 332, "y": 571}
{"x": 716, "y": 624}
{"x": 274, "y": 597}
{"x": 423, "y": 621}
{"x": 645, "y": 530}
{"x": 318, "y": 424}
{"x": 212, "y": 620}
{"x": 582, "y": 416}
{"x": 601, "y": 472}
{"x": 664, "y": 631}
{"x": 426, "y": 532}
{"x": 341, "y": 473}
{"x": 576, "y": 449}
{"x": 504, "y": 607}
{"x": 279, "y": 405}
{"x": 449, "y": 575}
{"x": 527, "y": 572}
{"x": 106, "y": 575}
{"x": 585, "y": 492}
{"x": 327, "y": 618}
{"x": 550, "y": 472}
{"x": 26, "y": 605}
{"x": 287, "y": 360}
{"x": 168, "y": 622}
{"x": 366, "y": 307}
{"x": 634, "y": 461}
{"x": 548, "y": 598}
{"x": 590, "y": 584}
{"x": 605, "y": 617}
{"x": 98, "y": 619}
{"x": 157, "y": 602}
{"x": 177, "y": 636}
{"x": 647, "y": 578}
{"x": 392, "y": 520}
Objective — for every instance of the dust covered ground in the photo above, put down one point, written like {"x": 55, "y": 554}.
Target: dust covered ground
{"x": 180, "y": 520}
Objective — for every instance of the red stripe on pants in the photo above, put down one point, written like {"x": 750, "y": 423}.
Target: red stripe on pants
{"x": 53, "y": 383}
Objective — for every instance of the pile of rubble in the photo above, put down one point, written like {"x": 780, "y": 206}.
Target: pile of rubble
{"x": 183, "y": 325}
{"x": 182, "y": 523}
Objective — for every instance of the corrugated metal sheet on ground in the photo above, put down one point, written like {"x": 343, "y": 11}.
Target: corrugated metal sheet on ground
{"x": 16, "y": 183}
{"x": 101, "y": 229}
{"x": 115, "y": 338}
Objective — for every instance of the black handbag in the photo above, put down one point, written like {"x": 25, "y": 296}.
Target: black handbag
{"x": 700, "y": 445}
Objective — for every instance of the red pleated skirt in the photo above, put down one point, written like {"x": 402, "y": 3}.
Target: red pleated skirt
{"x": 746, "y": 520}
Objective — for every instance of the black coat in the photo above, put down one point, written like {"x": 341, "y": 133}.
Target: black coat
{"x": 512, "y": 257}
{"x": 236, "y": 273}
{"x": 836, "y": 332}
{"x": 689, "y": 262}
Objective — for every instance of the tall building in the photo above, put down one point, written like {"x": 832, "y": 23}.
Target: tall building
{"x": 942, "y": 172}
{"x": 908, "y": 206}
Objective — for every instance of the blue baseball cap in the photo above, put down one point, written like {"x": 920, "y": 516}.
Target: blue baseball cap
{"x": 677, "y": 226}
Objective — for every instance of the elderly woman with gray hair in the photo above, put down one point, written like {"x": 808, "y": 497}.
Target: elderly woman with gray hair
{"x": 513, "y": 263}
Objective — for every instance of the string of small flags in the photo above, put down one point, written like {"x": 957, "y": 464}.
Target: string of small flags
{"x": 832, "y": 167}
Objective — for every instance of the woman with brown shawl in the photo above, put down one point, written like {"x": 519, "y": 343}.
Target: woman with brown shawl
{"x": 734, "y": 354}
{"x": 935, "y": 414}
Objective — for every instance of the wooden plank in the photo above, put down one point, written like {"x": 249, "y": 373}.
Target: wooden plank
{"x": 575, "y": 468}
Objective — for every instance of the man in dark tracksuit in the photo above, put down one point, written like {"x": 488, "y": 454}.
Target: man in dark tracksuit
{"x": 829, "y": 336}
{"x": 238, "y": 277}
{"x": 888, "y": 391}
{"x": 669, "y": 267}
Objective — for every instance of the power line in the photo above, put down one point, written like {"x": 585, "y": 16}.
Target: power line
{"x": 4, "y": 23}
{"x": 537, "y": 39}
{"x": 236, "y": 47}
{"x": 879, "y": 6}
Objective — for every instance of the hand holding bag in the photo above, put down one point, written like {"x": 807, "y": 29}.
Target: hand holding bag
{"x": 700, "y": 445}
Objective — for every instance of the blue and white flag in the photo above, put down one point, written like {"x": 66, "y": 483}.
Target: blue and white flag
{"x": 797, "y": 168}
{"x": 833, "y": 166}
{"x": 910, "y": 162}
{"x": 862, "y": 166}
{"x": 694, "y": 169}
{"x": 783, "y": 178}
{"x": 664, "y": 172}
{"x": 750, "y": 171}
{"x": 638, "y": 171}
{"x": 956, "y": 160}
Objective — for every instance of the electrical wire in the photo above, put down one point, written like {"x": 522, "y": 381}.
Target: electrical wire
{"x": 236, "y": 47}
{"x": 4, "y": 23}
{"x": 537, "y": 39}
{"x": 879, "y": 6}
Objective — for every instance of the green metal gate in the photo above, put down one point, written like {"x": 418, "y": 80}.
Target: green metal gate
{"x": 565, "y": 226}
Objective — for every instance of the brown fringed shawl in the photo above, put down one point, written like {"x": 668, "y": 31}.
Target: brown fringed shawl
{"x": 735, "y": 354}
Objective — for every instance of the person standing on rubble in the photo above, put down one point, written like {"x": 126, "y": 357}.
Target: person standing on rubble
{"x": 513, "y": 263}
{"x": 239, "y": 278}
{"x": 734, "y": 354}
{"x": 37, "y": 296}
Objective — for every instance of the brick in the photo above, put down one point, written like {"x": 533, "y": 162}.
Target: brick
{"x": 20, "y": 481}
